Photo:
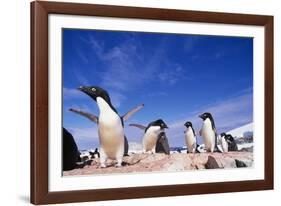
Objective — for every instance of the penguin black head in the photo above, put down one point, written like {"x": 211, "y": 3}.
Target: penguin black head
{"x": 229, "y": 138}
{"x": 159, "y": 122}
{"x": 206, "y": 115}
{"x": 94, "y": 92}
{"x": 223, "y": 134}
{"x": 209, "y": 116}
{"x": 188, "y": 124}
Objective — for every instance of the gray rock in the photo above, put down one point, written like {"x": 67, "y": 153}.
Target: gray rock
{"x": 211, "y": 163}
{"x": 70, "y": 151}
{"x": 248, "y": 149}
{"x": 240, "y": 163}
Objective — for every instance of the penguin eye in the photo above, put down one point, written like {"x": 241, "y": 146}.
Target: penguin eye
{"x": 94, "y": 89}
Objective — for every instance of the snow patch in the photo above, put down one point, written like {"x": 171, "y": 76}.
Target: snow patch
{"x": 242, "y": 131}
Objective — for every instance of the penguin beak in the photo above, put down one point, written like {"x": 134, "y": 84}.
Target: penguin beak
{"x": 201, "y": 116}
{"x": 165, "y": 127}
{"x": 81, "y": 88}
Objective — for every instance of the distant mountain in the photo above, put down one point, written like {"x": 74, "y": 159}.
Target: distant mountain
{"x": 244, "y": 137}
{"x": 245, "y": 131}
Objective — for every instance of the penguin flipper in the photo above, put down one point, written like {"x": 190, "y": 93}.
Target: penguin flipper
{"x": 196, "y": 150}
{"x": 130, "y": 113}
{"x": 126, "y": 146}
{"x": 91, "y": 117}
{"x": 138, "y": 126}
{"x": 217, "y": 149}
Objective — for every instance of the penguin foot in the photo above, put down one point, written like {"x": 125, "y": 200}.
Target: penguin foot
{"x": 124, "y": 163}
{"x": 118, "y": 165}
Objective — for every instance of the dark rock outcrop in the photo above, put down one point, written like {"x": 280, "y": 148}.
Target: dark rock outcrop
{"x": 240, "y": 163}
{"x": 211, "y": 163}
{"x": 71, "y": 155}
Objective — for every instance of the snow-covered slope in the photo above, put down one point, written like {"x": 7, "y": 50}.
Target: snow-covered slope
{"x": 135, "y": 147}
{"x": 242, "y": 131}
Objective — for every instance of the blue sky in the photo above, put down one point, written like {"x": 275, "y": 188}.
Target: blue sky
{"x": 176, "y": 76}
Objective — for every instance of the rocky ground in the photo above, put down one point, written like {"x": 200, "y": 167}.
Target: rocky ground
{"x": 173, "y": 162}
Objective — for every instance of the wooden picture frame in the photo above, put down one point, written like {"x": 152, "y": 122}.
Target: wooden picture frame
{"x": 39, "y": 102}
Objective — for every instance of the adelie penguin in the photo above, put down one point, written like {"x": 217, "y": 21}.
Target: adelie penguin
{"x": 190, "y": 138}
{"x": 151, "y": 134}
{"x": 224, "y": 143}
{"x": 95, "y": 154}
{"x": 110, "y": 125}
{"x": 208, "y": 132}
{"x": 230, "y": 141}
{"x": 94, "y": 118}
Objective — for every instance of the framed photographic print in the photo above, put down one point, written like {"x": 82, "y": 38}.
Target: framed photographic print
{"x": 133, "y": 102}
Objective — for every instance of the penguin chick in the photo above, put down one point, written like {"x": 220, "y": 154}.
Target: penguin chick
{"x": 162, "y": 144}
{"x": 232, "y": 146}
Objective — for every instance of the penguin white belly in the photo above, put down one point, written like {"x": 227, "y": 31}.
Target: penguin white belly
{"x": 208, "y": 135}
{"x": 190, "y": 140}
{"x": 150, "y": 138}
{"x": 224, "y": 145}
{"x": 111, "y": 131}
{"x": 111, "y": 138}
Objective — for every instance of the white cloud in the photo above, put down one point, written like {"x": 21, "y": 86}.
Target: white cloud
{"x": 155, "y": 94}
{"x": 71, "y": 93}
{"x": 123, "y": 68}
{"x": 89, "y": 133}
{"x": 126, "y": 66}
{"x": 116, "y": 98}
{"x": 82, "y": 56}
{"x": 171, "y": 76}
{"x": 85, "y": 138}
{"x": 97, "y": 46}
